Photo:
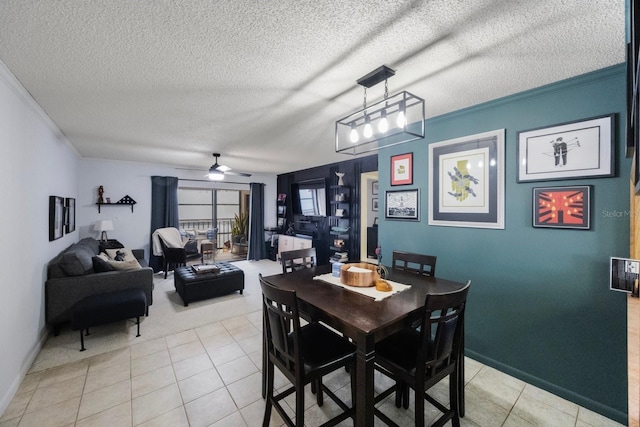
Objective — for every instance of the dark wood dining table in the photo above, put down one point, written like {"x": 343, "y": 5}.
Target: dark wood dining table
{"x": 364, "y": 320}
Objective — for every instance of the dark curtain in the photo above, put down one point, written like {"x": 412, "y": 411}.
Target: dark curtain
{"x": 257, "y": 249}
{"x": 164, "y": 210}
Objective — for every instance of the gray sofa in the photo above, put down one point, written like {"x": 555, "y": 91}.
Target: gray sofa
{"x": 71, "y": 277}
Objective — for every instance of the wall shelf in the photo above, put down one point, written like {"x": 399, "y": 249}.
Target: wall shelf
{"x": 115, "y": 204}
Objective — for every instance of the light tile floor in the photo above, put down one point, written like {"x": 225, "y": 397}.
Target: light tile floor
{"x": 210, "y": 376}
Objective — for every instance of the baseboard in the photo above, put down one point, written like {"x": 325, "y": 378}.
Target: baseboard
{"x": 10, "y": 393}
{"x": 572, "y": 396}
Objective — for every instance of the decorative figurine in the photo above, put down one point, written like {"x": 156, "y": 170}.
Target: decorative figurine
{"x": 100, "y": 193}
{"x": 340, "y": 175}
{"x": 381, "y": 269}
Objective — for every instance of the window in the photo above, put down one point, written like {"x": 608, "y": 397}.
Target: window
{"x": 200, "y": 209}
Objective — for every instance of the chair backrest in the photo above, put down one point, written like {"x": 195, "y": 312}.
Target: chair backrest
{"x": 170, "y": 237}
{"x": 282, "y": 325}
{"x": 298, "y": 259}
{"x": 442, "y": 329}
{"x": 415, "y": 263}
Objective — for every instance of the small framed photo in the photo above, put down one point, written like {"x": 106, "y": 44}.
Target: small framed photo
{"x": 624, "y": 275}
{"x": 282, "y": 210}
{"x": 374, "y": 204}
{"x": 69, "y": 214}
{"x": 571, "y": 150}
{"x": 281, "y": 222}
{"x": 374, "y": 187}
{"x": 56, "y": 217}
{"x": 402, "y": 204}
{"x": 402, "y": 169}
{"x": 562, "y": 207}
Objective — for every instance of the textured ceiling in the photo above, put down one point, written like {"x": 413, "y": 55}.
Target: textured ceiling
{"x": 262, "y": 82}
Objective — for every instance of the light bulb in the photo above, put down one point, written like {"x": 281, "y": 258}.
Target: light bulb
{"x": 354, "y": 134}
{"x": 401, "y": 121}
{"x": 368, "y": 131}
{"x": 216, "y": 176}
{"x": 383, "y": 126}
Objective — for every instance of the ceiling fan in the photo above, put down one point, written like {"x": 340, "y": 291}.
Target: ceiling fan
{"x": 217, "y": 171}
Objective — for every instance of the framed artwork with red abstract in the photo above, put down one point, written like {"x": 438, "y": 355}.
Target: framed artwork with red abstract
{"x": 562, "y": 207}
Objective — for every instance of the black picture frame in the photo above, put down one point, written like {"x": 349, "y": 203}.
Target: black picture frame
{"x": 402, "y": 204}
{"x": 562, "y": 207}
{"x": 69, "y": 215}
{"x": 577, "y": 149}
{"x": 624, "y": 274}
{"x": 56, "y": 217}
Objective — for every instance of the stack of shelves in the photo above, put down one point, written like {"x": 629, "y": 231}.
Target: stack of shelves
{"x": 340, "y": 223}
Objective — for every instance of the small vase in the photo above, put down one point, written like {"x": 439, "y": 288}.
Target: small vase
{"x": 340, "y": 175}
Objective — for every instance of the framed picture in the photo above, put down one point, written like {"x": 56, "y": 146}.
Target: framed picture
{"x": 56, "y": 217}
{"x": 402, "y": 204}
{"x": 466, "y": 181}
{"x": 374, "y": 204}
{"x": 69, "y": 215}
{"x": 282, "y": 210}
{"x": 624, "y": 275}
{"x": 571, "y": 150}
{"x": 562, "y": 207}
{"x": 402, "y": 169}
{"x": 374, "y": 187}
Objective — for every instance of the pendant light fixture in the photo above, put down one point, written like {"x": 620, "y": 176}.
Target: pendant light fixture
{"x": 394, "y": 120}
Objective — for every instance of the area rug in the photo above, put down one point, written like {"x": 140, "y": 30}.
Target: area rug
{"x": 167, "y": 316}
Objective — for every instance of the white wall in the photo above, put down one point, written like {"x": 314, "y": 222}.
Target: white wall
{"x": 134, "y": 179}
{"x": 35, "y": 162}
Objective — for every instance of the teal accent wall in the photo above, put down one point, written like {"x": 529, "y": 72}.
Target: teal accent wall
{"x": 540, "y": 307}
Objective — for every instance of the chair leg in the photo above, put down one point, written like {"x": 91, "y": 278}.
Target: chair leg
{"x": 419, "y": 393}
{"x": 138, "y": 325}
{"x": 300, "y": 403}
{"x": 319, "y": 395}
{"x": 453, "y": 398}
{"x": 82, "y": 341}
{"x": 399, "y": 393}
{"x": 269, "y": 403}
{"x": 405, "y": 397}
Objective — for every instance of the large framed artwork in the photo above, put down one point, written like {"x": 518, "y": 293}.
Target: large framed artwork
{"x": 402, "y": 169}
{"x": 562, "y": 207}
{"x": 69, "y": 215}
{"x": 56, "y": 217}
{"x": 466, "y": 181}
{"x": 402, "y": 204}
{"x": 571, "y": 150}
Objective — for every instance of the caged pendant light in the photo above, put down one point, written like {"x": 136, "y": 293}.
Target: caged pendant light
{"x": 394, "y": 120}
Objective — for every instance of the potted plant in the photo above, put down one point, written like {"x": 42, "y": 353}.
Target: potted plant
{"x": 239, "y": 232}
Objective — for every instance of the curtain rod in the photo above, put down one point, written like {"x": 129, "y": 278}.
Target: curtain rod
{"x": 214, "y": 182}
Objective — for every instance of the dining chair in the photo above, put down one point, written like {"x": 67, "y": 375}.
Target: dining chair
{"x": 304, "y": 354}
{"x": 421, "y": 358}
{"x": 415, "y": 263}
{"x": 298, "y": 259}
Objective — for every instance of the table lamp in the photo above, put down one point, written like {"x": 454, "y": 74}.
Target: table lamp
{"x": 104, "y": 225}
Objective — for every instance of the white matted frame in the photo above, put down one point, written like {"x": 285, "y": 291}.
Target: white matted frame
{"x": 573, "y": 150}
{"x": 466, "y": 181}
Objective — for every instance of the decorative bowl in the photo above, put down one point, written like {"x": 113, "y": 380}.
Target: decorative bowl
{"x": 339, "y": 229}
{"x": 358, "y": 277}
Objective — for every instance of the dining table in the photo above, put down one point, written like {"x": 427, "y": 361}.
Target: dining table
{"x": 365, "y": 320}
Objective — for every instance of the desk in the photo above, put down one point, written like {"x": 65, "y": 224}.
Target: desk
{"x": 363, "y": 320}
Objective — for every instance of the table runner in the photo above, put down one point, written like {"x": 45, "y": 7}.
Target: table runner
{"x": 370, "y": 292}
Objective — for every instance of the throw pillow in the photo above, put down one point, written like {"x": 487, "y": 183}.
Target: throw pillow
{"x": 125, "y": 265}
{"x": 121, "y": 254}
{"x": 100, "y": 265}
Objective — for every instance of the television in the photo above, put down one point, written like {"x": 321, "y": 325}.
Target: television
{"x": 624, "y": 275}
{"x": 310, "y": 197}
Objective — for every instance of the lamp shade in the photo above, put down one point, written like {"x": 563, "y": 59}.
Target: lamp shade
{"x": 103, "y": 225}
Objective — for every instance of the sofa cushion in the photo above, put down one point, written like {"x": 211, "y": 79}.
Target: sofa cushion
{"x": 122, "y": 254}
{"x": 100, "y": 265}
{"x": 125, "y": 265}
{"x": 77, "y": 260}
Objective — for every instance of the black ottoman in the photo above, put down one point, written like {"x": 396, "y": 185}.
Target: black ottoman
{"x": 108, "y": 307}
{"x": 196, "y": 287}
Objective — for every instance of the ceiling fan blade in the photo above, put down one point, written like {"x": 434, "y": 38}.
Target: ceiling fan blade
{"x": 237, "y": 173}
